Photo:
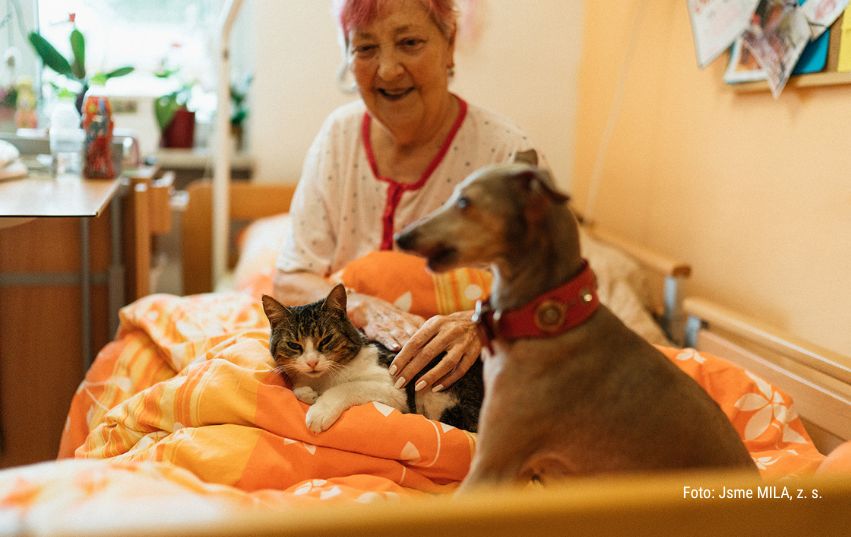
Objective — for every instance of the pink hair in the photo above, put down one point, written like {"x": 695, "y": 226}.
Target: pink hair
{"x": 354, "y": 13}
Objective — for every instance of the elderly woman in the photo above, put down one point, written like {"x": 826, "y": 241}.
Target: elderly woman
{"x": 382, "y": 162}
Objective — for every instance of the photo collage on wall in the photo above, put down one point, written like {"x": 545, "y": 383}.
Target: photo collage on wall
{"x": 772, "y": 40}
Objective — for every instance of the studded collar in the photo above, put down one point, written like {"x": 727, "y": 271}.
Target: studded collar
{"x": 548, "y": 315}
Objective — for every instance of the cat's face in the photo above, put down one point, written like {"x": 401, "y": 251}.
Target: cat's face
{"x": 312, "y": 340}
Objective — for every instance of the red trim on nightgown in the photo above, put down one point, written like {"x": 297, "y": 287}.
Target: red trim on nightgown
{"x": 395, "y": 188}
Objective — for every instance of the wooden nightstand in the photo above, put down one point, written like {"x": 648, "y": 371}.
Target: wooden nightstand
{"x": 72, "y": 252}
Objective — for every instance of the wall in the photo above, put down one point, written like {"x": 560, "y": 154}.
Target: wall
{"x": 753, "y": 191}
{"x": 524, "y": 65}
{"x": 294, "y": 85}
{"x": 521, "y": 57}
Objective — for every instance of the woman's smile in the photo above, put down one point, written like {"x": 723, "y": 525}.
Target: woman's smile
{"x": 395, "y": 94}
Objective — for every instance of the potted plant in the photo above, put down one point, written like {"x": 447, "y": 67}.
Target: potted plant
{"x": 176, "y": 121}
{"x": 73, "y": 69}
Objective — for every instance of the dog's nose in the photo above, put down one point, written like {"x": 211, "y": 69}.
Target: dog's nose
{"x": 406, "y": 239}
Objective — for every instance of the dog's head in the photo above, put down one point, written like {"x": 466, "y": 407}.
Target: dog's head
{"x": 491, "y": 215}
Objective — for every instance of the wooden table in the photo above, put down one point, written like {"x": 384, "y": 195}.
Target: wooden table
{"x": 64, "y": 196}
{"x": 69, "y": 259}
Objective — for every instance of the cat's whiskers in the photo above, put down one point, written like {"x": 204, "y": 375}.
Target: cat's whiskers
{"x": 334, "y": 367}
{"x": 285, "y": 369}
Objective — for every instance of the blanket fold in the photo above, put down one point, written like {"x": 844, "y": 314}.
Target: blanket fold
{"x": 225, "y": 415}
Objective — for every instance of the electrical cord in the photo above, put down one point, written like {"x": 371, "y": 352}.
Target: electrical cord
{"x": 614, "y": 115}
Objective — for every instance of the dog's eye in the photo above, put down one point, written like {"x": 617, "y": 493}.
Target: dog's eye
{"x": 463, "y": 202}
{"x": 294, "y": 346}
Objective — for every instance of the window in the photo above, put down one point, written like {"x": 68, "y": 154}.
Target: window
{"x": 153, "y": 36}
{"x": 148, "y": 34}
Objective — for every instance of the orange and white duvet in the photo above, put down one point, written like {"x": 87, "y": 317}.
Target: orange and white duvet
{"x": 182, "y": 414}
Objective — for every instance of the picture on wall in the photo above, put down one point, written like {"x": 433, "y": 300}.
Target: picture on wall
{"x": 743, "y": 66}
{"x": 777, "y": 45}
{"x": 777, "y": 36}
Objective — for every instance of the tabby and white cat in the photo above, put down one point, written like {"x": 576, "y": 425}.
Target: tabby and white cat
{"x": 332, "y": 367}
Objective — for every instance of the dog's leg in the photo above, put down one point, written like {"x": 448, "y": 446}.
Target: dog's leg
{"x": 500, "y": 454}
{"x": 545, "y": 468}
{"x": 490, "y": 472}
{"x": 508, "y": 435}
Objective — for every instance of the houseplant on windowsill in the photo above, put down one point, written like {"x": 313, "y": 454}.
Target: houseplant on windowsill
{"x": 176, "y": 121}
{"x": 74, "y": 70}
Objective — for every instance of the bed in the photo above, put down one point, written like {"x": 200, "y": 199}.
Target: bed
{"x": 180, "y": 427}
{"x": 644, "y": 286}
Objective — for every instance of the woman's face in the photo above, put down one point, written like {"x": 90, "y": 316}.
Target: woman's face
{"x": 400, "y": 62}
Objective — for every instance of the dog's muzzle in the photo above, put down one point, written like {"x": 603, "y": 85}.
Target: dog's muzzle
{"x": 406, "y": 240}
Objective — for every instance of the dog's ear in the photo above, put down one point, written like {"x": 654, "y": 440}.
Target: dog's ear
{"x": 541, "y": 182}
{"x": 546, "y": 185}
{"x": 529, "y": 156}
{"x": 541, "y": 191}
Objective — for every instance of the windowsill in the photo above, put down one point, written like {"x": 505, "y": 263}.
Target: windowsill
{"x": 198, "y": 157}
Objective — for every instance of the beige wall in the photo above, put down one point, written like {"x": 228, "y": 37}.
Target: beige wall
{"x": 294, "y": 85}
{"x": 523, "y": 64}
{"x": 755, "y": 193}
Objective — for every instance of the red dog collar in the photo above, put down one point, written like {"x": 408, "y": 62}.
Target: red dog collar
{"x": 548, "y": 315}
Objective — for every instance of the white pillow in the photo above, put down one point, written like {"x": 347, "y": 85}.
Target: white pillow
{"x": 8, "y": 153}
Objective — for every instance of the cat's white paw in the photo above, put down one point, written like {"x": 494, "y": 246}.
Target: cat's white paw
{"x": 321, "y": 416}
{"x": 306, "y": 394}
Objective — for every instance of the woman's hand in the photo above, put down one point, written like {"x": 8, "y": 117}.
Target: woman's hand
{"x": 382, "y": 321}
{"x": 454, "y": 333}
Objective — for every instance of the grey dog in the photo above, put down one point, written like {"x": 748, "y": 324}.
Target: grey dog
{"x": 591, "y": 398}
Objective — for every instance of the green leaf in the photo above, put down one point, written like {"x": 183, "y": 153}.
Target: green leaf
{"x": 62, "y": 92}
{"x": 65, "y": 93}
{"x": 98, "y": 79}
{"x": 50, "y": 56}
{"x": 164, "y": 109}
{"x": 238, "y": 117}
{"x": 121, "y": 71}
{"x": 78, "y": 48}
{"x": 166, "y": 73}
{"x": 236, "y": 96}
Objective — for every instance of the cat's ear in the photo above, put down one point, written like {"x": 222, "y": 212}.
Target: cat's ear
{"x": 336, "y": 300}
{"x": 275, "y": 312}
